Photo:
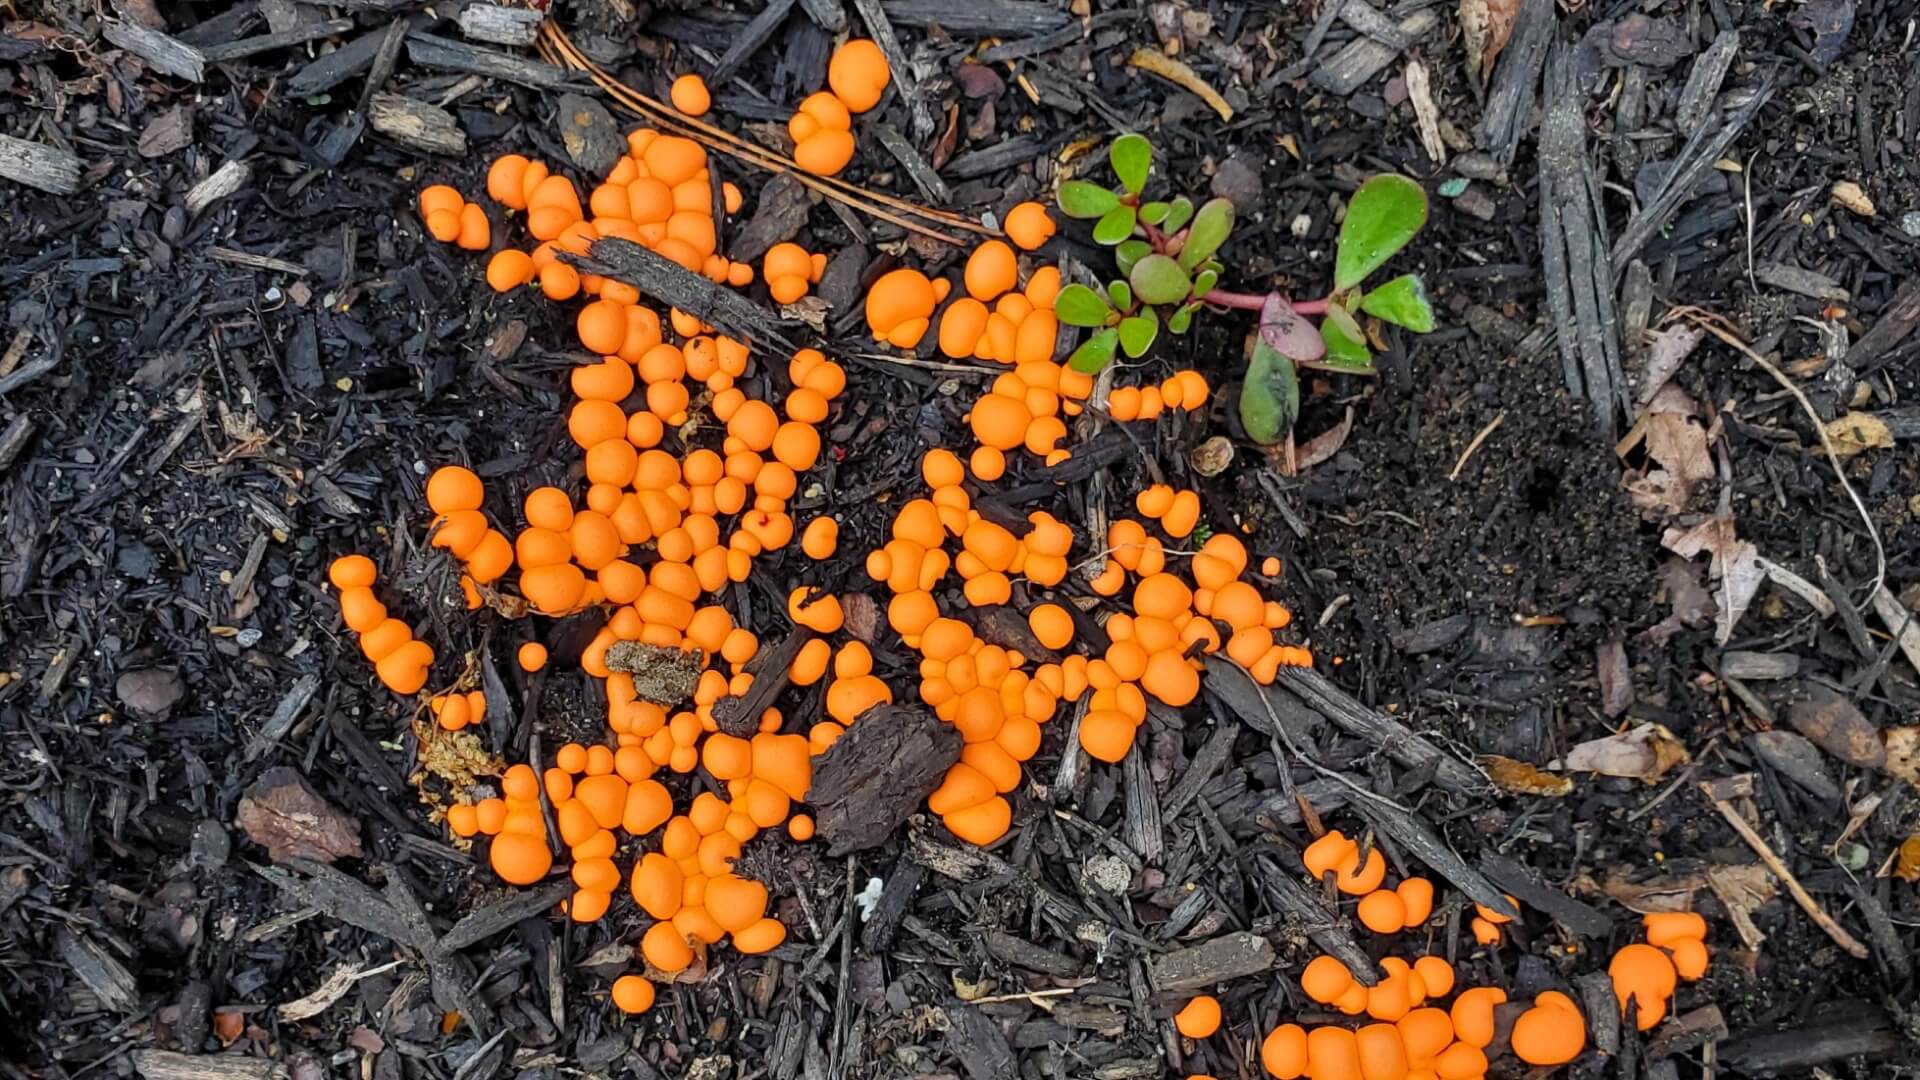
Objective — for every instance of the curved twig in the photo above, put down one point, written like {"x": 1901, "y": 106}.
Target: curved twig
{"x": 557, "y": 48}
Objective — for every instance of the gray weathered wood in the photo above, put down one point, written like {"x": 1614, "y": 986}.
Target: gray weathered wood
{"x": 430, "y": 50}
{"x": 417, "y": 124}
{"x": 1574, "y": 257}
{"x": 670, "y": 283}
{"x": 1227, "y": 957}
{"x": 1399, "y": 741}
{"x": 498, "y": 24}
{"x": 1510, "y": 96}
{"x": 828, "y": 15}
{"x": 224, "y": 181}
{"x": 335, "y": 67}
{"x": 1416, "y": 838}
{"x": 38, "y": 165}
{"x": 1363, "y": 58}
{"x": 245, "y": 47}
{"x": 1321, "y": 923}
{"x": 105, "y": 976}
{"x": 748, "y": 41}
{"x": 1369, "y": 20}
{"x": 163, "y": 53}
{"x": 168, "y": 1065}
{"x": 1703, "y": 82}
{"x": 1140, "y": 826}
{"x": 1896, "y": 321}
{"x": 1001, "y": 18}
{"x": 1704, "y": 147}
{"x": 1583, "y": 919}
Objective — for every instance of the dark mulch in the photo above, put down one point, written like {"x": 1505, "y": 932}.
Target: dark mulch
{"x": 200, "y": 407}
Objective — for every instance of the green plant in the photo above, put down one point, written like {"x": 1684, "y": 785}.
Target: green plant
{"x": 1165, "y": 252}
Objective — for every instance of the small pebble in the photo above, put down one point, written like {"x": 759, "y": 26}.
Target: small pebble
{"x": 1910, "y": 223}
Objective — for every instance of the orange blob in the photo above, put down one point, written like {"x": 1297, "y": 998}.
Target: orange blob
{"x": 1472, "y": 1014}
{"x": 632, "y": 994}
{"x": 1551, "y": 1033}
{"x": 1645, "y": 977}
{"x": 899, "y": 305}
{"x": 991, "y": 270}
{"x": 520, "y": 859}
{"x": 858, "y": 74}
{"x": 690, "y": 96}
{"x": 1199, "y": 1018}
{"x": 1284, "y": 1052}
{"x": 1382, "y": 912}
{"x": 1029, "y": 225}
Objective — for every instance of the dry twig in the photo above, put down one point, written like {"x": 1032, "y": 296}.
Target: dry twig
{"x": 1805, "y": 899}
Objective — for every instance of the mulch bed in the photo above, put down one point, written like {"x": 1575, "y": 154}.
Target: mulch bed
{"x": 229, "y": 354}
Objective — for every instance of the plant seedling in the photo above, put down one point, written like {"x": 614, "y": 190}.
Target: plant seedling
{"x": 1165, "y": 252}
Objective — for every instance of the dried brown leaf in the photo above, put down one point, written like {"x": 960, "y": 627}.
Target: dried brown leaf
{"x": 1735, "y": 562}
{"x": 1326, "y": 444}
{"x": 1666, "y": 351}
{"x": 1521, "y": 778}
{"x": 1485, "y": 26}
{"x": 282, "y": 813}
{"x": 1644, "y": 753}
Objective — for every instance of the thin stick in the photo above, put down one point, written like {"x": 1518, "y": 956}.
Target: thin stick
{"x": 1475, "y": 444}
{"x": 1807, "y": 903}
{"x": 558, "y": 48}
{"x": 1715, "y": 325}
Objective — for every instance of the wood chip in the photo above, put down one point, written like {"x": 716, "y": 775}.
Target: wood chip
{"x": 224, "y": 181}
{"x": 499, "y": 24}
{"x": 1363, "y": 58}
{"x": 417, "y": 125}
{"x": 1223, "y": 959}
{"x": 37, "y": 165}
{"x": 163, "y": 53}
{"x": 168, "y": 1065}
{"x": 429, "y": 50}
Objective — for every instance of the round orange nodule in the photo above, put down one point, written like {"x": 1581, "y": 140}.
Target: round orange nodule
{"x": 858, "y": 74}
{"x": 1029, "y": 225}
{"x": 690, "y": 95}
{"x": 1199, "y": 1018}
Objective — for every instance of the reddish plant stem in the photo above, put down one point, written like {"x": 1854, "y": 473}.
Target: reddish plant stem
{"x": 1255, "y": 301}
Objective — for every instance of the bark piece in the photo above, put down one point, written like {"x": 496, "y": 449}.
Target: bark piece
{"x": 429, "y": 50}
{"x": 1838, "y": 727}
{"x": 298, "y": 35}
{"x": 282, "y": 813}
{"x": 498, "y": 24}
{"x": 778, "y": 216}
{"x": 168, "y": 1065}
{"x": 670, "y": 283}
{"x": 1363, "y": 57}
{"x": 416, "y": 124}
{"x": 588, "y": 132}
{"x": 888, "y": 762}
{"x": 163, "y": 53}
{"x": 1227, "y": 957}
{"x": 37, "y": 165}
{"x": 108, "y": 979}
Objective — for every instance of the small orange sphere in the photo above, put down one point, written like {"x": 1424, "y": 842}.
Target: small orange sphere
{"x": 690, "y": 95}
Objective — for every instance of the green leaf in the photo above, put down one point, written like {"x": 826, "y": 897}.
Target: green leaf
{"x": 1157, "y": 279}
{"x": 1205, "y": 280}
{"x": 1132, "y": 158}
{"x": 1182, "y": 318}
{"x": 1121, "y": 294}
{"x": 1138, "y": 331}
{"x": 1381, "y": 218}
{"x": 1095, "y": 353}
{"x": 1211, "y": 227}
{"x": 1077, "y": 305}
{"x": 1154, "y": 213}
{"x": 1179, "y": 212}
{"x": 1079, "y": 199}
{"x": 1130, "y": 252}
{"x": 1270, "y": 398}
{"x": 1347, "y": 350}
{"x": 1116, "y": 226}
{"x": 1402, "y": 302}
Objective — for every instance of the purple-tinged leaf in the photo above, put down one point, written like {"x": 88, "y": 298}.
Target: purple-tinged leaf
{"x": 1287, "y": 332}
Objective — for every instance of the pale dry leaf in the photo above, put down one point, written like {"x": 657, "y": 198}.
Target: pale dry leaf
{"x": 1520, "y": 778}
{"x": 1425, "y": 113}
{"x": 1857, "y": 432}
{"x": 1735, "y": 562}
{"x": 329, "y": 991}
{"x": 1903, "y": 752}
{"x": 1485, "y": 26}
{"x": 1853, "y": 197}
{"x": 1644, "y": 753}
{"x": 1679, "y": 445}
{"x": 1666, "y": 351}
